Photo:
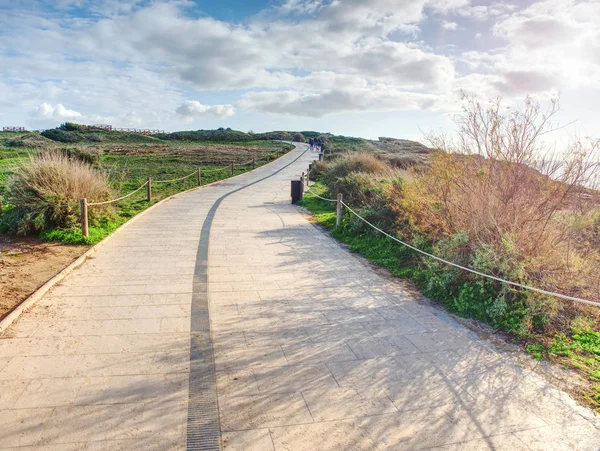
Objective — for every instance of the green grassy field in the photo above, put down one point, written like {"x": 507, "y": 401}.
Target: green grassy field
{"x": 130, "y": 159}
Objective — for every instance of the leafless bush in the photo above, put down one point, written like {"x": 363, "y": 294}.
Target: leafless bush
{"x": 502, "y": 185}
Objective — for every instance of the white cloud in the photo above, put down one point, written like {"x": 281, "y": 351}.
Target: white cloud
{"x": 303, "y": 57}
{"x": 378, "y": 98}
{"x": 486, "y": 12}
{"x": 191, "y": 109}
{"x": 449, "y": 26}
{"x": 58, "y": 111}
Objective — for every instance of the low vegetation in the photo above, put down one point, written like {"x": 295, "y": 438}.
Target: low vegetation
{"x": 498, "y": 201}
{"x": 42, "y": 177}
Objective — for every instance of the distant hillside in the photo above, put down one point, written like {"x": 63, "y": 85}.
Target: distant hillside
{"x": 400, "y": 152}
{"x": 218, "y": 135}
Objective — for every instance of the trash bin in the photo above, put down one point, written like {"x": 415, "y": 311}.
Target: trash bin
{"x": 297, "y": 190}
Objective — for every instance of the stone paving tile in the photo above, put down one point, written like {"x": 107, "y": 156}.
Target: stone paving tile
{"x": 417, "y": 429}
{"x": 114, "y": 422}
{"x": 393, "y": 327}
{"x": 330, "y": 436}
{"x": 253, "y": 440}
{"x": 277, "y": 337}
{"x": 147, "y": 443}
{"x": 313, "y": 353}
{"x": 60, "y": 447}
{"x": 369, "y": 348}
{"x": 367, "y": 373}
{"x": 579, "y": 436}
{"x": 23, "y": 427}
{"x": 115, "y": 312}
{"x": 345, "y": 403}
{"x": 228, "y": 358}
{"x": 49, "y": 393}
{"x": 417, "y": 394}
{"x": 505, "y": 442}
{"x": 294, "y": 378}
{"x": 116, "y": 301}
{"x": 439, "y": 341}
{"x": 336, "y": 332}
{"x": 10, "y": 391}
{"x": 493, "y": 418}
{"x": 131, "y": 389}
{"x": 236, "y": 382}
{"x": 263, "y": 411}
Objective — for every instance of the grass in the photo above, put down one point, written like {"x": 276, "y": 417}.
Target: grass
{"x": 579, "y": 352}
{"x": 130, "y": 164}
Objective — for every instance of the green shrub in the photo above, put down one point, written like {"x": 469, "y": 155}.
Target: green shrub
{"x": 298, "y": 137}
{"x": 73, "y": 127}
{"x": 45, "y": 192}
{"x": 358, "y": 189}
{"x": 560, "y": 346}
{"x": 221, "y": 134}
{"x": 15, "y": 143}
{"x": 62, "y": 136}
{"x": 80, "y": 154}
{"x": 536, "y": 350}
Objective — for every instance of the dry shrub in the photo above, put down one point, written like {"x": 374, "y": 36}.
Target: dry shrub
{"x": 503, "y": 188}
{"x": 347, "y": 163}
{"x": 45, "y": 192}
{"x": 407, "y": 160}
{"x": 359, "y": 176}
{"x": 317, "y": 169}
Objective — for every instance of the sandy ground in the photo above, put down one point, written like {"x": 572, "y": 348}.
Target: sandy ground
{"x": 26, "y": 264}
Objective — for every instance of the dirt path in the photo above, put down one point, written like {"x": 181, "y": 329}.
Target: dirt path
{"x": 26, "y": 264}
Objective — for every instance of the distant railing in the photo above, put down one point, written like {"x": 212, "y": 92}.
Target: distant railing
{"x": 13, "y": 129}
{"x": 141, "y": 131}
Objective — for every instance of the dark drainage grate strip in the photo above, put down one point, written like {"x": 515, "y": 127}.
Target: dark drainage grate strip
{"x": 203, "y": 428}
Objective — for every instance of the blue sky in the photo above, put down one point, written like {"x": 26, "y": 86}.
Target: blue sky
{"x": 357, "y": 67}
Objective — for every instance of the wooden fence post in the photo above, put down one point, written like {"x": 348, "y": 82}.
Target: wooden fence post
{"x": 199, "y": 178}
{"x": 149, "y": 186}
{"x": 232, "y": 169}
{"x": 83, "y": 208}
{"x": 253, "y": 163}
{"x": 340, "y": 210}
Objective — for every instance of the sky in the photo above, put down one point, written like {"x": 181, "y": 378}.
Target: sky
{"x": 355, "y": 67}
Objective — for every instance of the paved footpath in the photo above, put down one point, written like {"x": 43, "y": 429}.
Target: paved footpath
{"x": 311, "y": 349}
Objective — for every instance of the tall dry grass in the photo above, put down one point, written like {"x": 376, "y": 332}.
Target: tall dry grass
{"x": 361, "y": 177}
{"x": 45, "y": 192}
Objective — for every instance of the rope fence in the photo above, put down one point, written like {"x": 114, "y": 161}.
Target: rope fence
{"x": 339, "y": 215}
{"x": 91, "y": 204}
{"x": 84, "y": 204}
{"x": 177, "y": 180}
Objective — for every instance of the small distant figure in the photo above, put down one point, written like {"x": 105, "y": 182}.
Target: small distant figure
{"x": 311, "y": 142}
